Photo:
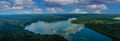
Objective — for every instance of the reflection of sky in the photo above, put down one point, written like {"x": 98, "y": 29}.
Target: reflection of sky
{"x": 73, "y": 32}
{"x": 117, "y": 18}
{"x": 61, "y": 27}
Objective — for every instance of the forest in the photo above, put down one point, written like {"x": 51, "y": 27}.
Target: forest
{"x": 105, "y": 24}
{"x": 12, "y": 26}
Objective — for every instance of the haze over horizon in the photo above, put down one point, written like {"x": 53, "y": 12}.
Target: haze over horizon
{"x": 59, "y": 6}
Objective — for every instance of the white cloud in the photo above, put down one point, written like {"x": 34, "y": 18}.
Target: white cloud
{"x": 97, "y": 7}
{"x": 62, "y": 2}
{"x": 30, "y": 6}
{"x": 4, "y": 5}
{"x": 79, "y": 11}
{"x": 20, "y": 6}
{"x": 93, "y": 5}
{"x": 17, "y": 7}
{"x": 54, "y": 10}
{"x": 24, "y": 3}
{"x": 79, "y": 2}
{"x": 33, "y": 11}
{"x": 97, "y": 11}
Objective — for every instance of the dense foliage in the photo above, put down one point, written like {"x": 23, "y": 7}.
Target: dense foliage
{"x": 102, "y": 23}
{"x": 111, "y": 30}
{"x": 12, "y": 28}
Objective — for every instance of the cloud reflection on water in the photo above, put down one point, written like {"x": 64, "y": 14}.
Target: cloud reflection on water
{"x": 64, "y": 28}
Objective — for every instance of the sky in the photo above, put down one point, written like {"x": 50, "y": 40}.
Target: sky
{"x": 59, "y": 6}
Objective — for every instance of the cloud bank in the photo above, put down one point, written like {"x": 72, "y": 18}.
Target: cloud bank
{"x": 19, "y": 6}
{"x": 94, "y": 6}
{"x": 55, "y": 6}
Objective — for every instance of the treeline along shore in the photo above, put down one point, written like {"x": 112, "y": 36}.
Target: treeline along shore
{"x": 105, "y": 24}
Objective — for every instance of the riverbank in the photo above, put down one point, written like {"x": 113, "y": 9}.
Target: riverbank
{"x": 12, "y": 29}
{"x": 102, "y": 24}
{"x": 106, "y": 29}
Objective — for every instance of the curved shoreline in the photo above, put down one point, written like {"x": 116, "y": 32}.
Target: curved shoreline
{"x": 104, "y": 33}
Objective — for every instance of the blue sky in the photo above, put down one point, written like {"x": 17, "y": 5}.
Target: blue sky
{"x": 112, "y": 8}
{"x": 59, "y": 6}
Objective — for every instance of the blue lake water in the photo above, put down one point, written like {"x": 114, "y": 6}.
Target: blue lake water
{"x": 72, "y": 32}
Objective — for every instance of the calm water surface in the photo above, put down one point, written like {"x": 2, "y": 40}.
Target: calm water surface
{"x": 72, "y": 32}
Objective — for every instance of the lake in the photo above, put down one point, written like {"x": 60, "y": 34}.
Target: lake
{"x": 72, "y": 32}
